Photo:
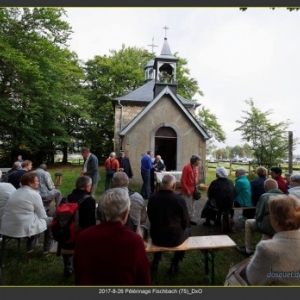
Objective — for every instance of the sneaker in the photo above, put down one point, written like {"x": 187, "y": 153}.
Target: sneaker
{"x": 243, "y": 250}
{"x": 242, "y": 218}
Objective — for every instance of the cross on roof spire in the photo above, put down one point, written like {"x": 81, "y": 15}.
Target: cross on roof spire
{"x": 152, "y": 45}
{"x": 165, "y": 28}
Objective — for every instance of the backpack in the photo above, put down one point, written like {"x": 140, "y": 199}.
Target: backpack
{"x": 65, "y": 227}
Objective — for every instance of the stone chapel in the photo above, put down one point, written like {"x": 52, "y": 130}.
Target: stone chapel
{"x": 154, "y": 117}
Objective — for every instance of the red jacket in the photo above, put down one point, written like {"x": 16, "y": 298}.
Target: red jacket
{"x": 188, "y": 179}
{"x": 281, "y": 184}
{"x": 112, "y": 164}
{"x": 110, "y": 254}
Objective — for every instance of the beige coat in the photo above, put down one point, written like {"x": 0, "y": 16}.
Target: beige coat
{"x": 23, "y": 214}
{"x": 276, "y": 261}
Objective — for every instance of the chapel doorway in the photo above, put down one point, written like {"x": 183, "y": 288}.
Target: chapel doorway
{"x": 166, "y": 146}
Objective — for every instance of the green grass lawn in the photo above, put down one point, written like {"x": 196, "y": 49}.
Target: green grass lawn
{"x": 36, "y": 270}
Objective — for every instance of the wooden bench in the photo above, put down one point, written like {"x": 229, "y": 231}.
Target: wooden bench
{"x": 206, "y": 244}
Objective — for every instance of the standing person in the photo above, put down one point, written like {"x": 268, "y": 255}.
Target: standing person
{"x": 146, "y": 166}
{"x": 158, "y": 166}
{"x": 110, "y": 253}
{"x": 276, "y": 175}
{"x": 190, "y": 175}
{"x": 20, "y": 159}
{"x": 242, "y": 192}
{"x": 14, "y": 179}
{"x": 125, "y": 165}
{"x": 24, "y": 214}
{"x": 90, "y": 168}
{"x": 169, "y": 222}
{"x": 257, "y": 189}
{"x": 86, "y": 212}
{"x": 111, "y": 166}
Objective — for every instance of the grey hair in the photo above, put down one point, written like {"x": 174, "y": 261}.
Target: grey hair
{"x": 194, "y": 158}
{"x": 270, "y": 184}
{"x": 17, "y": 165}
{"x": 167, "y": 181}
{"x": 149, "y": 152}
{"x": 82, "y": 182}
{"x": 241, "y": 170}
{"x": 112, "y": 154}
{"x": 112, "y": 204}
{"x": 120, "y": 179}
{"x": 295, "y": 177}
{"x": 85, "y": 149}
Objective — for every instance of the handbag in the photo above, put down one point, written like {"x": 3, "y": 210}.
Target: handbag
{"x": 196, "y": 193}
{"x": 236, "y": 275}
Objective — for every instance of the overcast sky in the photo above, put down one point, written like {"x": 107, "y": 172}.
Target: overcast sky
{"x": 234, "y": 55}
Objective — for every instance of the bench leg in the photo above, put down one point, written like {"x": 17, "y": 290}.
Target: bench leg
{"x": 209, "y": 256}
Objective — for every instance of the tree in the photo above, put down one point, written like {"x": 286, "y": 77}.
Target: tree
{"x": 39, "y": 77}
{"x": 210, "y": 122}
{"x": 268, "y": 140}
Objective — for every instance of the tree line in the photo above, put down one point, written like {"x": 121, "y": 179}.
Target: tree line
{"x": 52, "y": 101}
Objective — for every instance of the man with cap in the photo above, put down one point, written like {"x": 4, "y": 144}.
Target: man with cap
{"x": 220, "y": 195}
{"x": 125, "y": 165}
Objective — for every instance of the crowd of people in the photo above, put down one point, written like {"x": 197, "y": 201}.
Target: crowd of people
{"x": 111, "y": 233}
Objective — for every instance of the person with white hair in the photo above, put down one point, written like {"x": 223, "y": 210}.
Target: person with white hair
{"x": 220, "y": 195}
{"x": 110, "y": 253}
{"x": 295, "y": 185}
{"x": 111, "y": 165}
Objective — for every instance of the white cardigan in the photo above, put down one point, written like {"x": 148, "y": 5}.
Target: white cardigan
{"x": 276, "y": 261}
{"x": 23, "y": 214}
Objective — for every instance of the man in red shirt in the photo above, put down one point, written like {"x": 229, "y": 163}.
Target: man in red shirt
{"x": 111, "y": 165}
{"x": 276, "y": 175}
{"x": 189, "y": 177}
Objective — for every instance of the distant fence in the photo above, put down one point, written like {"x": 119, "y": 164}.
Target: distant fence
{"x": 248, "y": 166}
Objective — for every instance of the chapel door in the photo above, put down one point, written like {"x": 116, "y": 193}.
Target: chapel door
{"x": 166, "y": 146}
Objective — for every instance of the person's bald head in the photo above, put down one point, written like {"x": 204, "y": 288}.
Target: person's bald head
{"x": 270, "y": 184}
{"x": 168, "y": 182}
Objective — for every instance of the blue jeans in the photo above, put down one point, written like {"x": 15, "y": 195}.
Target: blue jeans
{"x": 145, "y": 190}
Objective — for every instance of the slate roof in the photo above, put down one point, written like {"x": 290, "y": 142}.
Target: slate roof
{"x": 145, "y": 94}
{"x": 168, "y": 91}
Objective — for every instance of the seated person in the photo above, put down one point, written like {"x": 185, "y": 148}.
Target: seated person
{"x": 14, "y": 178}
{"x": 86, "y": 210}
{"x": 261, "y": 221}
{"x": 220, "y": 195}
{"x": 169, "y": 221}
{"x": 24, "y": 214}
{"x": 275, "y": 260}
{"x": 138, "y": 213}
{"x": 158, "y": 166}
{"x": 16, "y": 167}
{"x": 46, "y": 187}
{"x": 257, "y": 189}
{"x": 276, "y": 175}
{"x": 110, "y": 253}
{"x": 295, "y": 185}
{"x": 242, "y": 192}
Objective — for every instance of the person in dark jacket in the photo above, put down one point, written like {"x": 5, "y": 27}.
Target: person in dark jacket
{"x": 257, "y": 189}
{"x": 87, "y": 216}
{"x": 125, "y": 165}
{"x": 220, "y": 195}
{"x": 15, "y": 168}
{"x": 169, "y": 221}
